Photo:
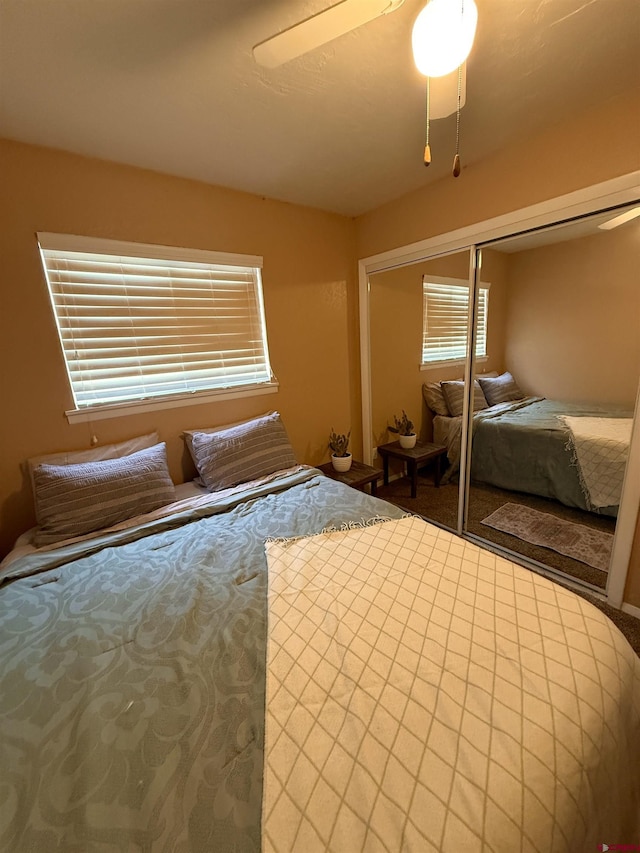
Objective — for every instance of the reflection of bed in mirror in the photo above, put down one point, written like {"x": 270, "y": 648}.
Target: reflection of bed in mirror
{"x": 573, "y": 453}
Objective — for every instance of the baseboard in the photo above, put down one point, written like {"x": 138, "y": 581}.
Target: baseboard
{"x": 631, "y": 609}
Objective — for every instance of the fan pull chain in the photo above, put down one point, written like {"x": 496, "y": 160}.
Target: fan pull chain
{"x": 427, "y": 147}
{"x": 456, "y": 159}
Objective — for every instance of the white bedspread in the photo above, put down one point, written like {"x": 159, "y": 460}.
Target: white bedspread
{"x": 601, "y": 449}
{"x": 424, "y": 694}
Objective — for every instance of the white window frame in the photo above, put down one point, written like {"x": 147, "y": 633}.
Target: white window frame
{"x": 247, "y": 266}
{"x": 462, "y": 284}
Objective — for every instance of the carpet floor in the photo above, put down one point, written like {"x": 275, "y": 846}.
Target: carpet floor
{"x": 440, "y": 505}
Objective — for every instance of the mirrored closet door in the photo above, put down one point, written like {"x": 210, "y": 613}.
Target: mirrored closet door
{"x": 418, "y": 340}
{"x": 534, "y": 426}
{"x": 550, "y": 434}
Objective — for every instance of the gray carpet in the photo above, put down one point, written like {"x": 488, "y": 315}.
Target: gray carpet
{"x": 440, "y": 505}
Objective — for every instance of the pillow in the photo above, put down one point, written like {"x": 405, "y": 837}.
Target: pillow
{"x": 502, "y": 389}
{"x": 94, "y": 454}
{"x": 83, "y": 497}
{"x": 241, "y": 453}
{"x": 188, "y": 434}
{"x": 434, "y": 398}
{"x": 454, "y": 396}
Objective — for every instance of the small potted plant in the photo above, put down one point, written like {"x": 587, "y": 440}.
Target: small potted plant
{"x": 405, "y": 430}
{"x": 339, "y": 446}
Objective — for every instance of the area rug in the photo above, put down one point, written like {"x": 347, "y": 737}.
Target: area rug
{"x": 577, "y": 541}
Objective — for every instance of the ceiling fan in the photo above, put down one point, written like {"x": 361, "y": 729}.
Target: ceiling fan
{"x": 319, "y": 29}
{"x": 442, "y": 37}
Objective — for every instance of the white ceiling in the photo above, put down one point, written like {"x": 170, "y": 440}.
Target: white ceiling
{"x": 172, "y": 85}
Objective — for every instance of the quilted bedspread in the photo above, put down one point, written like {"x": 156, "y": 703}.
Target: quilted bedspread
{"x": 601, "y": 449}
{"x": 132, "y": 672}
{"x": 424, "y": 694}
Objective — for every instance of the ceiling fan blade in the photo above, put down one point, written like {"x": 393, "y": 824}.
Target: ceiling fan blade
{"x": 320, "y": 29}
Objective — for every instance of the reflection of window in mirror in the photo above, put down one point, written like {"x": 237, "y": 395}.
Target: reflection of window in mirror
{"x": 396, "y": 343}
{"x": 444, "y": 322}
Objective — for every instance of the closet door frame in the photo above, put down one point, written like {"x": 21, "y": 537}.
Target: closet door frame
{"x": 603, "y": 196}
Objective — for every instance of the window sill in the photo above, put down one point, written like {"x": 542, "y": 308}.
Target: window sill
{"x": 138, "y": 407}
{"x": 458, "y": 362}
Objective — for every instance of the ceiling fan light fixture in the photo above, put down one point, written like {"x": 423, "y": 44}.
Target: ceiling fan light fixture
{"x": 443, "y": 35}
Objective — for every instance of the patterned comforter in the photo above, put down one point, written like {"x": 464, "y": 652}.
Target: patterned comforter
{"x": 132, "y": 676}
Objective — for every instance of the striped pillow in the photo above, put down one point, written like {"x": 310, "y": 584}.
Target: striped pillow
{"x": 93, "y": 454}
{"x": 434, "y": 398}
{"x": 242, "y": 453}
{"x": 502, "y": 389}
{"x": 454, "y": 396}
{"x": 72, "y": 500}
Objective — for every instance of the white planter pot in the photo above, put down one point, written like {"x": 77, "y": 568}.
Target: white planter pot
{"x": 407, "y": 441}
{"x": 341, "y": 463}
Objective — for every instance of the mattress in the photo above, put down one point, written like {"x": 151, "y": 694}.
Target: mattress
{"x": 133, "y": 670}
{"x": 441, "y": 428}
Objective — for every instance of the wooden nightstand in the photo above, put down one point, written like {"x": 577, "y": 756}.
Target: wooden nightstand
{"x": 357, "y": 476}
{"x": 415, "y": 457}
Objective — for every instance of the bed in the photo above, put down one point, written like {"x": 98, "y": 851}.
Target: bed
{"x": 572, "y": 453}
{"x": 290, "y": 664}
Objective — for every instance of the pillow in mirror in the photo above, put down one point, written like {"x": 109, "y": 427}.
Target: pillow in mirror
{"x": 454, "y": 397}
{"x": 501, "y": 389}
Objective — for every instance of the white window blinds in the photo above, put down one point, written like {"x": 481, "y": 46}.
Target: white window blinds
{"x": 138, "y": 322}
{"x": 445, "y": 320}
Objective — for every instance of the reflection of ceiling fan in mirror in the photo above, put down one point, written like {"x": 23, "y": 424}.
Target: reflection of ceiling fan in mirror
{"x": 319, "y": 29}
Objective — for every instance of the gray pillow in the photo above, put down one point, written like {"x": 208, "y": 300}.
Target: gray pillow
{"x": 502, "y": 389}
{"x": 434, "y": 398}
{"x": 454, "y": 396}
{"x": 72, "y": 500}
{"x": 242, "y": 453}
{"x": 94, "y": 454}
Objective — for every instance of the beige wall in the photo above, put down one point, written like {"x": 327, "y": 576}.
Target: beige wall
{"x": 573, "y": 330}
{"x": 592, "y": 147}
{"x": 309, "y": 292}
{"x": 587, "y": 149}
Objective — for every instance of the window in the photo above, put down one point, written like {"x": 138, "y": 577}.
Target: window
{"x": 150, "y": 323}
{"x": 445, "y": 320}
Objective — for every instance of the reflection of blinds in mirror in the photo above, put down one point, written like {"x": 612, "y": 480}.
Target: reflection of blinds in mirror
{"x": 154, "y": 321}
{"x": 445, "y": 315}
